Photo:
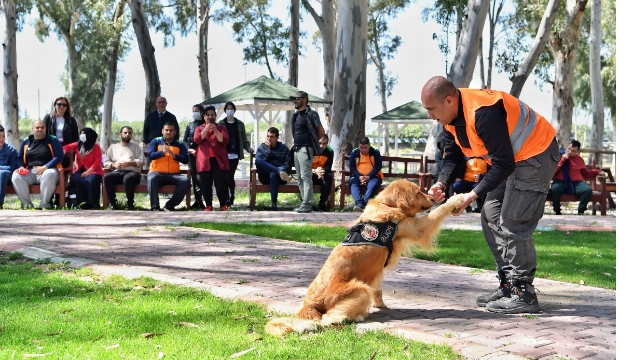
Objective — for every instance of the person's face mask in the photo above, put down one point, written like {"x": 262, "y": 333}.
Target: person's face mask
{"x": 83, "y": 137}
{"x": 230, "y": 113}
{"x": 196, "y": 115}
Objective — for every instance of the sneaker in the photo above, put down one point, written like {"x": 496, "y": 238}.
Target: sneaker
{"x": 208, "y": 208}
{"x": 130, "y": 207}
{"x": 197, "y": 205}
{"x": 113, "y": 207}
{"x": 322, "y": 207}
{"x": 285, "y": 177}
{"x": 274, "y": 207}
{"x": 523, "y": 300}
{"x": 504, "y": 290}
{"x": 224, "y": 208}
{"x": 167, "y": 209}
{"x": 302, "y": 209}
{"x": 358, "y": 208}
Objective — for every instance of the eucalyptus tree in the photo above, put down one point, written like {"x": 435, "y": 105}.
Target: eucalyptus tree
{"x": 382, "y": 47}
{"x": 449, "y": 14}
{"x": 326, "y": 22}
{"x": 495, "y": 9}
{"x": 294, "y": 49}
{"x": 349, "y": 87}
{"x": 14, "y": 18}
{"x": 265, "y": 38}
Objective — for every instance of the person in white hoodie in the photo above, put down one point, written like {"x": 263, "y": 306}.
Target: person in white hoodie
{"x": 235, "y": 147}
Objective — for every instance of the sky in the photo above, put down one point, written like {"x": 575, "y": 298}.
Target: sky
{"x": 40, "y": 66}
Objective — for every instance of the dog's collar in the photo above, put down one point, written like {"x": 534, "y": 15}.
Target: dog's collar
{"x": 370, "y": 233}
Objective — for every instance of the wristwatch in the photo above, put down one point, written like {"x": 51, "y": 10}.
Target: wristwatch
{"x": 442, "y": 186}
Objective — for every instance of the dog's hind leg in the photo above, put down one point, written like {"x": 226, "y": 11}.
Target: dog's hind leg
{"x": 352, "y": 304}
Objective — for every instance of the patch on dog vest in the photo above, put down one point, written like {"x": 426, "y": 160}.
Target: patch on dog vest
{"x": 376, "y": 234}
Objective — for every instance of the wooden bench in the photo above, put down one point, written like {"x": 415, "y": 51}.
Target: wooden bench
{"x": 64, "y": 176}
{"x": 392, "y": 167}
{"x": 599, "y": 195}
{"x": 255, "y": 186}
{"x": 142, "y": 188}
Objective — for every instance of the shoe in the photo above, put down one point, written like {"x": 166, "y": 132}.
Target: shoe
{"x": 224, "y": 208}
{"x": 322, "y": 207}
{"x": 558, "y": 212}
{"x": 198, "y": 205}
{"x": 285, "y": 177}
{"x": 302, "y": 209}
{"x": 468, "y": 209}
{"x": 155, "y": 209}
{"x": 523, "y": 300}
{"x": 274, "y": 207}
{"x": 112, "y": 207}
{"x": 208, "y": 208}
{"x": 167, "y": 209}
{"x": 358, "y": 208}
{"x": 477, "y": 210}
{"x": 581, "y": 212}
{"x": 502, "y": 291}
{"x": 230, "y": 201}
{"x": 130, "y": 208}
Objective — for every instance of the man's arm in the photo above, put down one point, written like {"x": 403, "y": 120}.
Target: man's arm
{"x": 377, "y": 159}
{"x": 183, "y": 157}
{"x": 452, "y": 162}
{"x": 21, "y": 154}
{"x": 108, "y": 158}
{"x": 262, "y": 153}
{"x": 329, "y": 164}
{"x": 138, "y": 157}
{"x": 352, "y": 164}
{"x": 13, "y": 160}
{"x": 58, "y": 153}
{"x": 152, "y": 151}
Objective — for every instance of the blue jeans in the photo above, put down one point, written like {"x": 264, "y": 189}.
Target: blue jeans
{"x": 268, "y": 174}
{"x": 5, "y": 179}
{"x": 156, "y": 180}
{"x": 90, "y": 185}
{"x": 464, "y": 186}
{"x": 372, "y": 185}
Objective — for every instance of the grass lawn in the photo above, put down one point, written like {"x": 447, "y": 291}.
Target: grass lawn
{"x": 55, "y": 312}
{"x": 578, "y": 257}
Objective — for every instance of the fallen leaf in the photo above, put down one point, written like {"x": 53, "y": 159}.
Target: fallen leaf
{"x": 187, "y": 324}
{"x": 55, "y": 333}
{"x": 373, "y": 356}
{"x": 112, "y": 346}
{"x": 238, "y": 354}
{"x": 36, "y": 355}
{"x": 607, "y": 274}
{"x": 150, "y": 335}
{"x": 67, "y": 311}
{"x": 98, "y": 338}
{"x": 160, "y": 355}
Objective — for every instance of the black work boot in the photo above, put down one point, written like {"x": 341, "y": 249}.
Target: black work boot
{"x": 504, "y": 290}
{"x": 523, "y": 300}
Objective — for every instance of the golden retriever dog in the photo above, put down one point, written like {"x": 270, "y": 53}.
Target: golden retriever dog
{"x": 351, "y": 279}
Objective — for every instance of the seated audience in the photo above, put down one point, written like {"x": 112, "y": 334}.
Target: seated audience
{"x": 125, "y": 160}
{"x": 321, "y": 168}
{"x": 271, "y": 159}
{"x": 365, "y": 165}
{"x": 569, "y": 178}
{"x": 212, "y": 160}
{"x": 88, "y": 173}
{"x": 8, "y": 163}
{"x": 39, "y": 160}
{"x": 166, "y": 153}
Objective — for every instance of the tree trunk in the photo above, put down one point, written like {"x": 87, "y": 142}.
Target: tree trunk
{"x": 10, "y": 72}
{"x": 376, "y": 59}
{"x": 564, "y": 47}
{"x": 597, "y": 93}
{"x": 202, "y": 23}
{"x": 349, "y": 105}
{"x": 494, "y": 17}
{"x": 147, "y": 53}
{"x": 327, "y": 25}
{"x": 539, "y": 43}
{"x": 483, "y": 83}
{"x": 294, "y": 39}
{"x": 466, "y": 54}
{"x": 112, "y": 73}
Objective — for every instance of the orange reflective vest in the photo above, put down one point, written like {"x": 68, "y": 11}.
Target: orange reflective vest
{"x": 166, "y": 164}
{"x": 530, "y": 133}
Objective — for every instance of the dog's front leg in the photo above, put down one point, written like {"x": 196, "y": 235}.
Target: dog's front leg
{"x": 447, "y": 208}
{"x": 377, "y": 293}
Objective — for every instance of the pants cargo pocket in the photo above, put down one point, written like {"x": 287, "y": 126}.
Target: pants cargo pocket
{"x": 527, "y": 200}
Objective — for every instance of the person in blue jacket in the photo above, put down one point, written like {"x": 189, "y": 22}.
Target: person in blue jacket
{"x": 8, "y": 163}
{"x": 39, "y": 160}
{"x": 365, "y": 164}
{"x": 271, "y": 159}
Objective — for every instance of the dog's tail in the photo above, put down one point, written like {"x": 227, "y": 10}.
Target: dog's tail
{"x": 285, "y": 325}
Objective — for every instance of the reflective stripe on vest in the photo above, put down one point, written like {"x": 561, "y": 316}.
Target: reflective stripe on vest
{"x": 523, "y": 128}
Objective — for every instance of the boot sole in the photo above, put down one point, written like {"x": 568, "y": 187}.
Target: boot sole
{"x": 529, "y": 309}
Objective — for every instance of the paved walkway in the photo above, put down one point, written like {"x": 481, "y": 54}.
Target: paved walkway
{"x": 427, "y": 301}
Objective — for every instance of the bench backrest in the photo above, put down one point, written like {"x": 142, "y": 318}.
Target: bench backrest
{"x": 393, "y": 167}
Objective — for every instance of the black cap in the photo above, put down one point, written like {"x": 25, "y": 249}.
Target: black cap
{"x": 299, "y": 94}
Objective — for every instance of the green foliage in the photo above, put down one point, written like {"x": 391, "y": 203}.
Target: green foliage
{"x": 265, "y": 38}
{"x": 444, "y": 12}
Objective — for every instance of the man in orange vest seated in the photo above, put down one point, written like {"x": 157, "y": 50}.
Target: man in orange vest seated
{"x": 474, "y": 170}
{"x": 521, "y": 148}
{"x": 569, "y": 178}
{"x": 166, "y": 154}
{"x": 365, "y": 165}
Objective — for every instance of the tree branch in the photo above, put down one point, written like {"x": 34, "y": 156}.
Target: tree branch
{"x": 318, "y": 19}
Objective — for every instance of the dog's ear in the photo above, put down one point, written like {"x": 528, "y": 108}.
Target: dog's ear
{"x": 397, "y": 195}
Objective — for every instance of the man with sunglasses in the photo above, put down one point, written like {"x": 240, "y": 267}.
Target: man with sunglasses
{"x": 307, "y": 131}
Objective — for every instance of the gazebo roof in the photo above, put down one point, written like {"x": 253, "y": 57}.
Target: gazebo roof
{"x": 261, "y": 90}
{"x": 409, "y": 113}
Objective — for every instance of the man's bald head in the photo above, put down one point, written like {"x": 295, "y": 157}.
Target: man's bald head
{"x": 439, "y": 88}
{"x": 440, "y": 97}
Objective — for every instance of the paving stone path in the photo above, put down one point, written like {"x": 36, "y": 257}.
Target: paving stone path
{"x": 426, "y": 301}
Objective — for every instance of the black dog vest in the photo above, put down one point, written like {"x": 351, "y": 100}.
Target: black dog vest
{"x": 376, "y": 234}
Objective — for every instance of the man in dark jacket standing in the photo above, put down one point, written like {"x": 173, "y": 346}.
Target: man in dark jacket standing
{"x": 307, "y": 131}
{"x": 155, "y": 120}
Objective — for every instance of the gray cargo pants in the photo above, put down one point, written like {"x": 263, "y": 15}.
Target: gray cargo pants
{"x": 47, "y": 181}
{"x": 302, "y": 161}
{"x": 511, "y": 213}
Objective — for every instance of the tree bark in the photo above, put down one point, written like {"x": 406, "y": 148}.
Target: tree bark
{"x": 376, "y": 59}
{"x": 349, "y": 106}
{"x": 10, "y": 100}
{"x": 327, "y": 25}
{"x": 595, "y": 75}
{"x": 494, "y": 17}
{"x": 564, "y": 47}
{"x": 112, "y": 72}
{"x": 466, "y": 54}
{"x": 147, "y": 53}
{"x": 483, "y": 82}
{"x": 294, "y": 39}
{"x": 202, "y": 23}
{"x": 520, "y": 77}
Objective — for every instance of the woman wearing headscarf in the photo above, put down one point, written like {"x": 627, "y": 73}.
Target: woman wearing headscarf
{"x": 88, "y": 173}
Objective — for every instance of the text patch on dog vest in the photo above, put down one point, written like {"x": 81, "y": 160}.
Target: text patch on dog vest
{"x": 376, "y": 234}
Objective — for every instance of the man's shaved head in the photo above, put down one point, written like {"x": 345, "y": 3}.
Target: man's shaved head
{"x": 440, "y": 98}
{"x": 439, "y": 88}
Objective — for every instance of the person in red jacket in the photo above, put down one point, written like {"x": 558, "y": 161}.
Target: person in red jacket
{"x": 569, "y": 178}
{"x": 212, "y": 159}
{"x": 88, "y": 170}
